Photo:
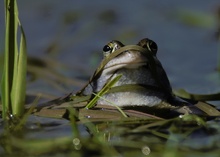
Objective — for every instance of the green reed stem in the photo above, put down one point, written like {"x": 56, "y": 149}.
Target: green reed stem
{"x": 13, "y": 83}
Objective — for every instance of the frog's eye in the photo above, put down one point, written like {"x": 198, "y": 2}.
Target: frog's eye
{"x": 111, "y": 47}
{"x": 148, "y": 44}
{"x": 152, "y": 46}
{"x": 107, "y": 50}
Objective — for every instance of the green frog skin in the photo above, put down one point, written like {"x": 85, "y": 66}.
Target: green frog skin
{"x": 135, "y": 68}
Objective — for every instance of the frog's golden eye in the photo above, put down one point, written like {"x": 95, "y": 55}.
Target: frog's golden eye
{"x": 152, "y": 46}
{"x": 111, "y": 47}
{"x": 148, "y": 44}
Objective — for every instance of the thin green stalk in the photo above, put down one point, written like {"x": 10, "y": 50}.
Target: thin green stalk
{"x": 119, "y": 109}
{"x": 6, "y": 83}
{"x": 103, "y": 91}
{"x": 72, "y": 116}
{"x": 19, "y": 80}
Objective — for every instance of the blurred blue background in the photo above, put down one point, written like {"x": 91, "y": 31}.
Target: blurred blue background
{"x": 74, "y": 33}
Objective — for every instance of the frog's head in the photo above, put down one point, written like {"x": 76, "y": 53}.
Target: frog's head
{"x": 137, "y": 64}
{"x": 130, "y": 58}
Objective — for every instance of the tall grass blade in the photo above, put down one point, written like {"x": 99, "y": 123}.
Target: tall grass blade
{"x": 19, "y": 79}
{"x": 13, "y": 83}
{"x": 10, "y": 46}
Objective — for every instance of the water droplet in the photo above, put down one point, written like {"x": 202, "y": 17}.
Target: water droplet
{"x": 77, "y": 143}
{"x": 145, "y": 150}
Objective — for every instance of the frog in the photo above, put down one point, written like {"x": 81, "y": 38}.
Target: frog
{"x": 142, "y": 75}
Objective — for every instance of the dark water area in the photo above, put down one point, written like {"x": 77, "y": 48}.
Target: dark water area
{"x": 74, "y": 33}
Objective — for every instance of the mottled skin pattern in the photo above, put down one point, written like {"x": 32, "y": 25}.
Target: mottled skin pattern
{"x": 134, "y": 68}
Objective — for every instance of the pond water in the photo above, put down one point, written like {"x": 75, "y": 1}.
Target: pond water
{"x": 73, "y": 33}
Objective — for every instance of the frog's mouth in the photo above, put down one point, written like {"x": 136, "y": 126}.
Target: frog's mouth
{"x": 126, "y": 60}
{"x": 126, "y": 65}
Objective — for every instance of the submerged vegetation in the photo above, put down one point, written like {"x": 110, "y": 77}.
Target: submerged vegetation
{"x": 93, "y": 130}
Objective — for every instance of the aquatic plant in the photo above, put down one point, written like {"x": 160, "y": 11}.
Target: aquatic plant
{"x": 13, "y": 83}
